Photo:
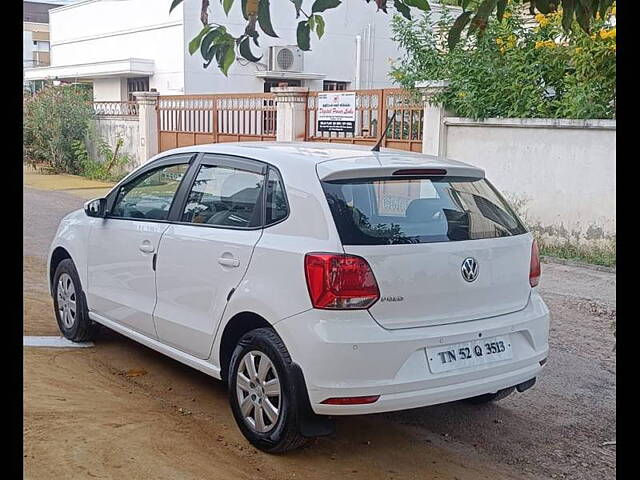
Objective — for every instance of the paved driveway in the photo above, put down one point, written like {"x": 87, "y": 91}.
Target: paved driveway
{"x": 42, "y": 212}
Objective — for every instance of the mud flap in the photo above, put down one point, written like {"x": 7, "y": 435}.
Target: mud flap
{"x": 310, "y": 423}
{"x": 526, "y": 385}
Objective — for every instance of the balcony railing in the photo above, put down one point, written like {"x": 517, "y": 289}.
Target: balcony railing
{"x": 116, "y": 109}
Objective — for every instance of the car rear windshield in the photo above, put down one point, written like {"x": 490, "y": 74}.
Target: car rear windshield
{"x": 386, "y": 211}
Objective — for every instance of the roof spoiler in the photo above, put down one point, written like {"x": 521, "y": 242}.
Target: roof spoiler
{"x": 336, "y": 170}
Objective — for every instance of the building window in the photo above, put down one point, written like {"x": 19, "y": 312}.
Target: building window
{"x": 137, "y": 84}
{"x": 41, "y": 46}
{"x": 270, "y": 83}
{"x": 329, "y": 85}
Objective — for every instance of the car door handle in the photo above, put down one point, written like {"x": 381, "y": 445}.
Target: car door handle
{"x": 147, "y": 247}
{"x": 229, "y": 262}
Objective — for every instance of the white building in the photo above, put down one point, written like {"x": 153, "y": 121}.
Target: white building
{"x": 132, "y": 45}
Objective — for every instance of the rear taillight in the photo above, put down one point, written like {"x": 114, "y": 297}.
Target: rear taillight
{"x": 534, "y": 269}
{"x": 351, "y": 400}
{"x": 340, "y": 282}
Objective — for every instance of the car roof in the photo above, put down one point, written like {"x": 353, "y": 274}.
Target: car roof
{"x": 281, "y": 154}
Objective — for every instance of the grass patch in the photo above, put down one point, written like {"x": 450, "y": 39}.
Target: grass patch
{"x": 605, "y": 255}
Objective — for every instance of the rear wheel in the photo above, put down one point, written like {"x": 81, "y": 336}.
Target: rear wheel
{"x": 69, "y": 303}
{"x": 491, "y": 397}
{"x": 261, "y": 392}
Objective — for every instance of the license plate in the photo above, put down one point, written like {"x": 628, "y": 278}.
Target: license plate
{"x": 461, "y": 355}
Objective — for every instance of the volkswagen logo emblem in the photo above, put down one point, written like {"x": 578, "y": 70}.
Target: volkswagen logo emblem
{"x": 469, "y": 269}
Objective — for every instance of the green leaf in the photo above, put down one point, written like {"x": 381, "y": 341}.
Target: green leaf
{"x": 312, "y": 23}
{"x": 298, "y": 5}
{"x": 245, "y": 50}
{"x": 207, "y": 44}
{"x": 255, "y": 38}
{"x": 402, "y": 8}
{"x": 174, "y": 4}
{"x": 227, "y": 58}
{"x": 209, "y": 55}
{"x": 264, "y": 18}
{"x": 320, "y": 25}
{"x": 421, "y": 4}
{"x": 322, "y": 5}
{"x": 302, "y": 34}
{"x": 457, "y": 27}
{"x": 194, "y": 44}
{"x": 227, "y": 4}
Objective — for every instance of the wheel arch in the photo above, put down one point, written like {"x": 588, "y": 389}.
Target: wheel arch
{"x": 58, "y": 255}
{"x": 235, "y": 328}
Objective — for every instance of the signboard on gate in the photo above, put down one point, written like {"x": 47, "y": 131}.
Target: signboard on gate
{"x": 337, "y": 112}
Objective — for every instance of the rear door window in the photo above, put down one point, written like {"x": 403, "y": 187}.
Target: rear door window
{"x": 419, "y": 210}
{"x": 276, "y": 200}
{"x": 225, "y": 197}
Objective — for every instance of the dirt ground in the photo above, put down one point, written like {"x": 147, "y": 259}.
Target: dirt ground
{"x": 121, "y": 410}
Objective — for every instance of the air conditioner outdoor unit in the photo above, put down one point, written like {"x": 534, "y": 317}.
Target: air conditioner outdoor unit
{"x": 286, "y": 59}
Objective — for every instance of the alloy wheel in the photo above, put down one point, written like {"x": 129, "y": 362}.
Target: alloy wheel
{"x": 67, "y": 300}
{"x": 258, "y": 391}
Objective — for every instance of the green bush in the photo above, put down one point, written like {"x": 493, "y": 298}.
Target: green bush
{"x": 514, "y": 70}
{"x": 54, "y": 118}
{"x": 111, "y": 168}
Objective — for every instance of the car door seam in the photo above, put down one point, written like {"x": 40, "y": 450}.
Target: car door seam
{"x": 244, "y": 274}
{"x": 155, "y": 282}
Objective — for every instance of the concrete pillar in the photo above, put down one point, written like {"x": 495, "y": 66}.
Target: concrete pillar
{"x": 147, "y": 125}
{"x": 433, "y": 128}
{"x": 291, "y": 104}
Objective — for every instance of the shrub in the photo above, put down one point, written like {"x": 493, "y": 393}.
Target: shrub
{"x": 54, "y": 118}
{"x": 113, "y": 167}
{"x": 514, "y": 69}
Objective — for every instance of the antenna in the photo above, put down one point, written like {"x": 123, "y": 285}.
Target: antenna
{"x": 376, "y": 147}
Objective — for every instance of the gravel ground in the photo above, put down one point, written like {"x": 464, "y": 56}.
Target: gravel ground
{"x": 86, "y": 415}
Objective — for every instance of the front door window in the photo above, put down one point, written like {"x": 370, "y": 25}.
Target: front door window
{"x": 149, "y": 197}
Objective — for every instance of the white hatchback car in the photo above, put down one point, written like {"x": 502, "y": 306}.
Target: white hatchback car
{"x": 315, "y": 279}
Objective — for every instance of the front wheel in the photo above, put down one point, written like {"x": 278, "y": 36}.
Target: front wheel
{"x": 68, "y": 299}
{"x": 262, "y": 394}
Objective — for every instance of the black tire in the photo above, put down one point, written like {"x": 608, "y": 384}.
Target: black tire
{"x": 491, "y": 397}
{"x": 284, "y": 433}
{"x": 82, "y": 329}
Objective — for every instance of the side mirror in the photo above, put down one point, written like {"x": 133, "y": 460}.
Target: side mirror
{"x": 96, "y": 207}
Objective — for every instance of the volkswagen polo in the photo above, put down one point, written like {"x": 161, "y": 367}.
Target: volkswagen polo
{"x": 314, "y": 279}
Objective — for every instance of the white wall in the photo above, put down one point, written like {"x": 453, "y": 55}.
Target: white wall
{"x": 101, "y": 30}
{"x": 110, "y": 89}
{"x": 333, "y": 55}
{"x": 564, "y": 170}
{"x": 27, "y": 49}
{"x": 110, "y": 129}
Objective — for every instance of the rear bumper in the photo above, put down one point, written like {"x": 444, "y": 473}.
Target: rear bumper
{"x": 347, "y": 354}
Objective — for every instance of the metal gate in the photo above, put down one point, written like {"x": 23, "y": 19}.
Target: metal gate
{"x": 186, "y": 120}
